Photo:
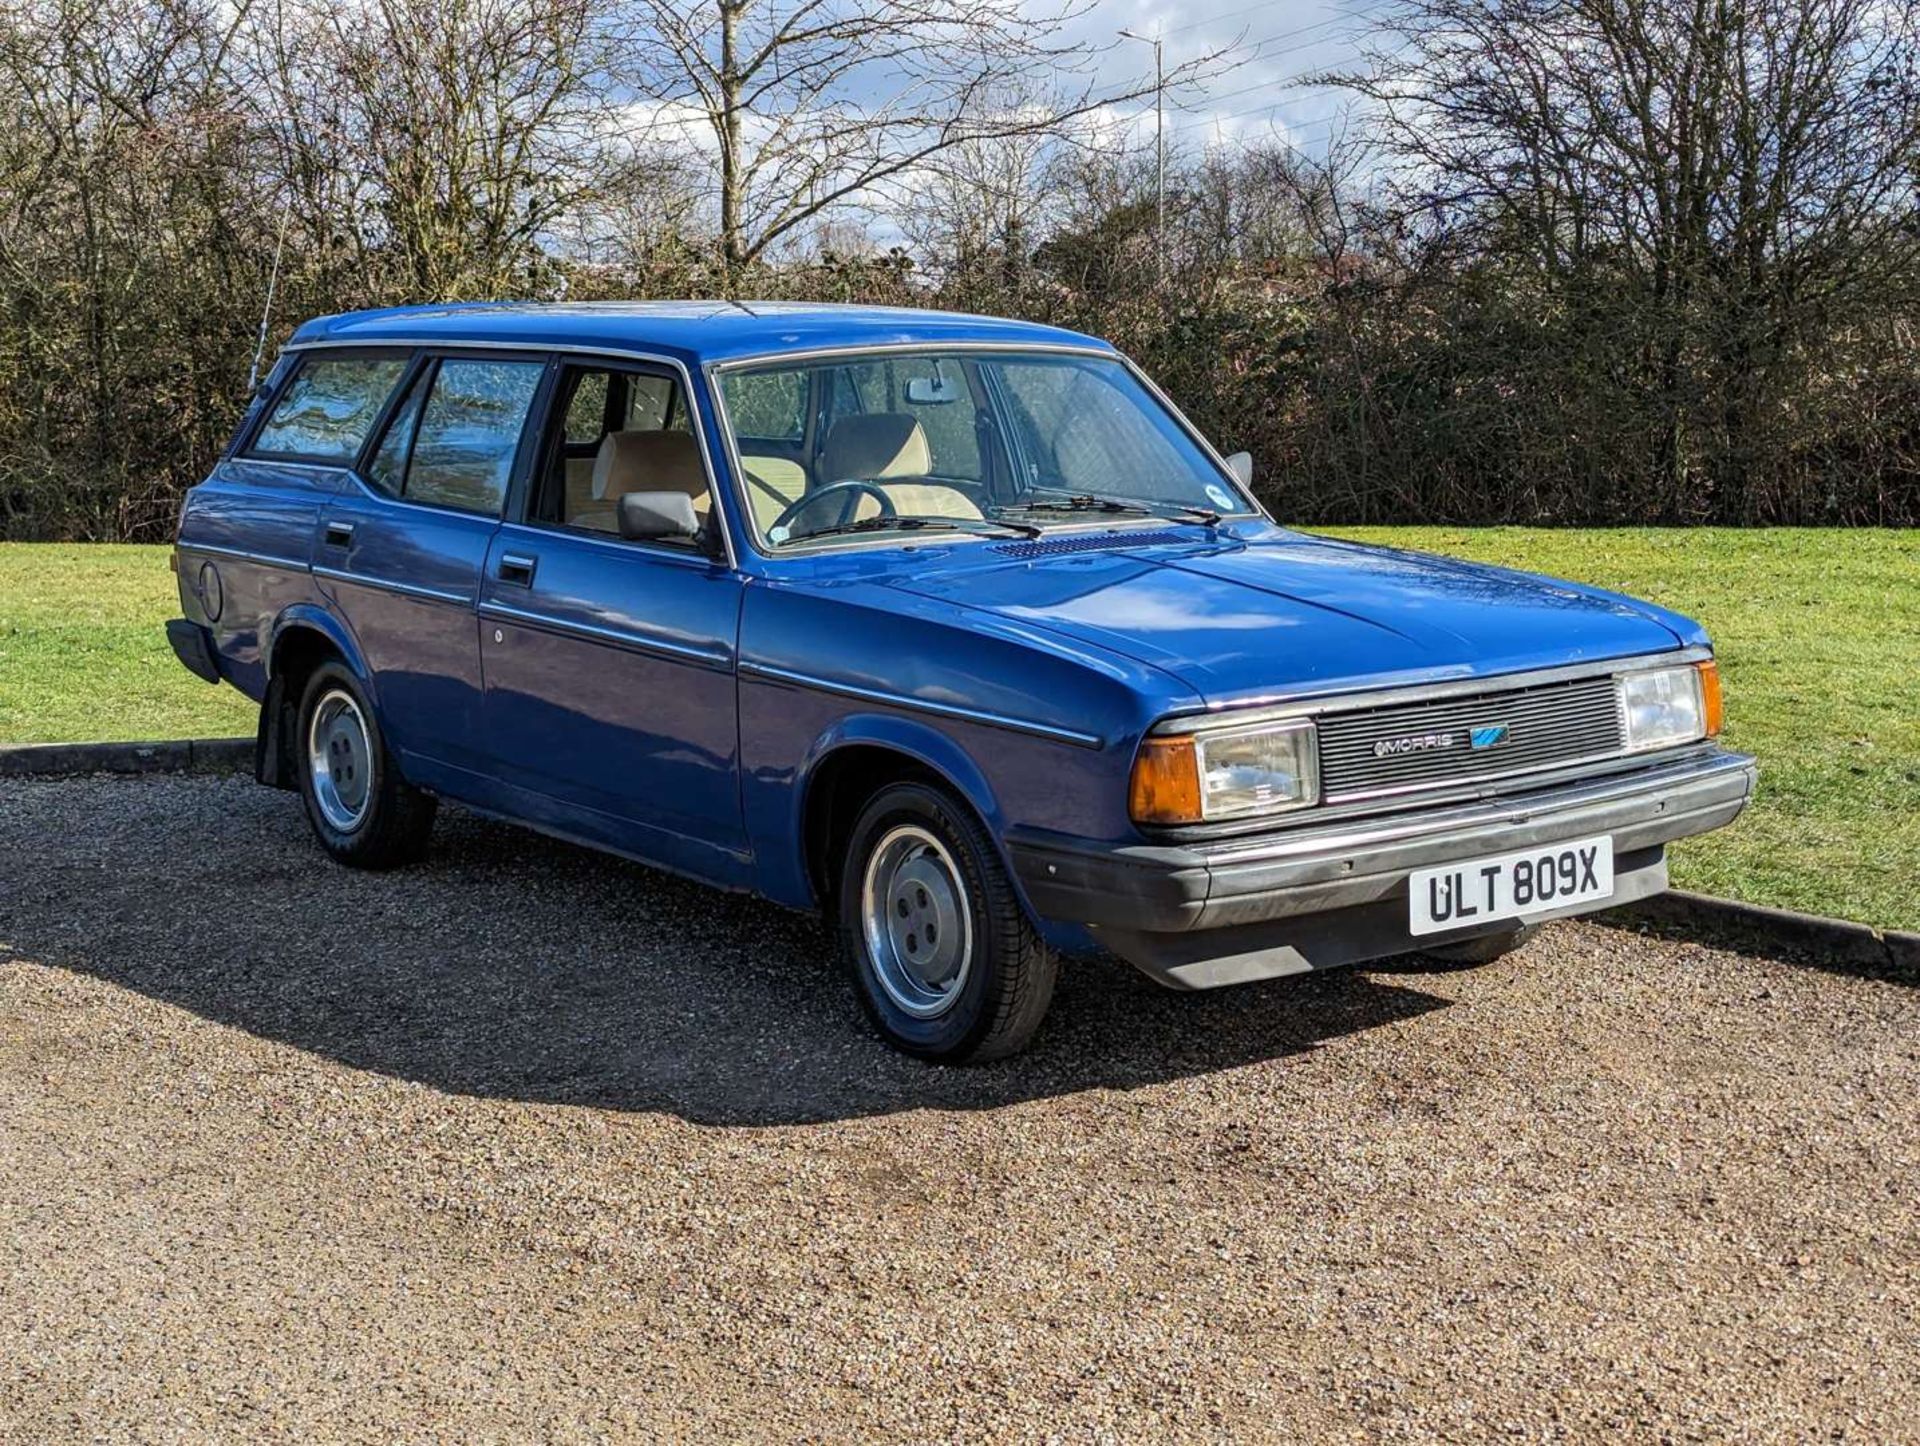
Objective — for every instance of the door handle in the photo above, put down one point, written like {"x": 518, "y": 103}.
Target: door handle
{"x": 339, "y": 534}
{"x": 517, "y": 568}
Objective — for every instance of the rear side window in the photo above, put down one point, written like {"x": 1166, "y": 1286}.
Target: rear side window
{"x": 329, "y": 407}
{"x": 452, "y": 443}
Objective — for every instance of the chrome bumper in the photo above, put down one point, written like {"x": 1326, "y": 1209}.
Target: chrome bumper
{"x": 1216, "y": 912}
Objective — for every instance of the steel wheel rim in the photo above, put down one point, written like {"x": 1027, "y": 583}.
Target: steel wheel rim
{"x": 916, "y": 922}
{"x": 340, "y": 760}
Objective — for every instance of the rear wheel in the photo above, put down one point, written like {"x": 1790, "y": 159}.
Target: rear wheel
{"x": 945, "y": 960}
{"x": 1469, "y": 953}
{"x": 362, "y": 811}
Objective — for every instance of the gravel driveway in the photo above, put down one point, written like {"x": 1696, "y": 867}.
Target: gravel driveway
{"x": 534, "y": 1143}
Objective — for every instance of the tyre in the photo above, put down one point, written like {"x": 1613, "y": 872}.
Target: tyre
{"x": 1469, "y": 953}
{"x": 362, "y": 811}
{"x": 943, "y": 956}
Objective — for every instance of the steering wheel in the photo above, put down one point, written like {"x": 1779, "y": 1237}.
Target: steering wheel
{"x": 850, "y": 491}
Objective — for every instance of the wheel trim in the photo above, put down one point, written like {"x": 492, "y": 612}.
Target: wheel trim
{"x": 340, "y": 760}
{"x": 916, "y": 922}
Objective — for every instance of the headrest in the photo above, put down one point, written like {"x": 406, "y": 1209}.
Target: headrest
{"x": 873, "y": 447}
{"x": 648, "y": 462}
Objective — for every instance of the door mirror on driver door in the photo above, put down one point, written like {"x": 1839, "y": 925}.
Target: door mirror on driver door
{"x": 653, "y": 515}
{"x": 1241, "y": 465}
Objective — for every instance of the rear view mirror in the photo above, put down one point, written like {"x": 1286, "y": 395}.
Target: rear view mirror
{"x": 653, "y": 515}
{"x": 1241, "y": 465}
{"x": 932, "y": 391}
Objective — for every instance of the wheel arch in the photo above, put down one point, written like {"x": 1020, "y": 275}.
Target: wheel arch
{"x": 302, "y": 631}
{"x": 862, "y": 754}
{"x": 302, "y": 638}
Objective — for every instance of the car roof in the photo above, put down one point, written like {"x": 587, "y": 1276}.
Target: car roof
{"x": 696, "y": 331}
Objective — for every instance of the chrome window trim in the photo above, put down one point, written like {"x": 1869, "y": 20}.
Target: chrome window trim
{"x": 559, "y": 350}
{"x": 818, "y": 353}
{"x": 791, "y": 678}
{"x": 265, "y": 559}
{"x": 716, "y": 370}
{"x": 679, "y": 652}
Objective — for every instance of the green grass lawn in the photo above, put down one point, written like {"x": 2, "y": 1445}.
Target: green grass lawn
{"x": 83, "y": 654}
{"x": 1818, "y": 635}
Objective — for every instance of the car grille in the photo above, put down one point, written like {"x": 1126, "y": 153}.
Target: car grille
{"x": 1548, "y": 724}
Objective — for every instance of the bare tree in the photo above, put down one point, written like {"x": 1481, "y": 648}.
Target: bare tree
{"x": 1724, "y": 182}
{"x": 119, "y": 253}
{"x": 436, "y": 140}
{"x": 805, "y": 105}
{"x": 978, "y": 209}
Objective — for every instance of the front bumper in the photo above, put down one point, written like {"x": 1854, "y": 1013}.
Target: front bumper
{"x": 1310, "y": 896}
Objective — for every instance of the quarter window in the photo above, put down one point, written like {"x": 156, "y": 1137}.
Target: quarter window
{"x": 329, "y": 407}
{"x": 587, "y": 409}
{"x": 388, "y": 469}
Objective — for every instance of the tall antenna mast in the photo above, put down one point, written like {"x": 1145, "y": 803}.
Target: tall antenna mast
{"x": 266, "y": 312}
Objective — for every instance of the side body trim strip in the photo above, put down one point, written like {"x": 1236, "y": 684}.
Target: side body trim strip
{"x": 685, "y": 652}
{"x": 405, "y": 589}
{"x": 921, "y": 705}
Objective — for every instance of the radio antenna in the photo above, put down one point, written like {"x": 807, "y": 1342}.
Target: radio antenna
{"x": 266, "y": 312}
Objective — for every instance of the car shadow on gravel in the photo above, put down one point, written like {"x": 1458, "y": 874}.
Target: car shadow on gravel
{"x": 515, "y": 967}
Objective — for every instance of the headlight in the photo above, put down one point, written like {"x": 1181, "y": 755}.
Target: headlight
{"x": 1231, "y": 773}
{"x": 1665, "y": 706}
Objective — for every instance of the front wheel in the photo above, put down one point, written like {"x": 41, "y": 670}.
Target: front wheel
{"x": 946, "y": 962}
{"x": 362, "y": 811}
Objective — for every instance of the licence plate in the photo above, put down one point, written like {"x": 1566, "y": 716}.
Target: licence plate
{"x": 1509, "y": 886}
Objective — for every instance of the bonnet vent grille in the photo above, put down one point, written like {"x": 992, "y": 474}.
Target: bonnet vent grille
{"x": 1099, "y": 542}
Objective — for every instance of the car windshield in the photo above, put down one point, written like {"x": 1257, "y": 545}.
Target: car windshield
{"x": 938, "y": 442}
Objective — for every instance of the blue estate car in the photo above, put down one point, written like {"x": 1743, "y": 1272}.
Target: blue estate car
{"x": 949, "y": 627}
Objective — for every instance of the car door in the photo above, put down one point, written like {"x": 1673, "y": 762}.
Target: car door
{"x": 610, "y": 697}
{"x": 401, "y": 552}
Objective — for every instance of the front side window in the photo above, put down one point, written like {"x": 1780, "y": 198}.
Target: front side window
{"x": 621, "y": 430}
{"x": 329, "y": 407}
{"x": 452, "y": 441}
{"x": 962, "y": 441}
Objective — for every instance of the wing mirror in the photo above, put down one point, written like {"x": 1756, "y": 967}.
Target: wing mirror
{"x": 1241, "y": 465}
{"x": 649, "y": 516}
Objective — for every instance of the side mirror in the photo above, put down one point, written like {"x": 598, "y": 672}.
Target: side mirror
{"x": 1241, "y": 465}
{"x": 648, "y": 516}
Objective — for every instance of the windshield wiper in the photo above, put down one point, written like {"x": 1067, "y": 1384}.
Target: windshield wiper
{"x": 1096, "y": 502}
{"x": 983, "y": 527}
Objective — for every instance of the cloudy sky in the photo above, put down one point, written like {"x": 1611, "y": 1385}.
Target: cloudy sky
{"x": 1277, "y": 43}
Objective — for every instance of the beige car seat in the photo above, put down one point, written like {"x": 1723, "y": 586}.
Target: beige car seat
{"x": 773, "y": 483}
{"x": 642, "y": 462}
{"x": 887, "y": 447}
